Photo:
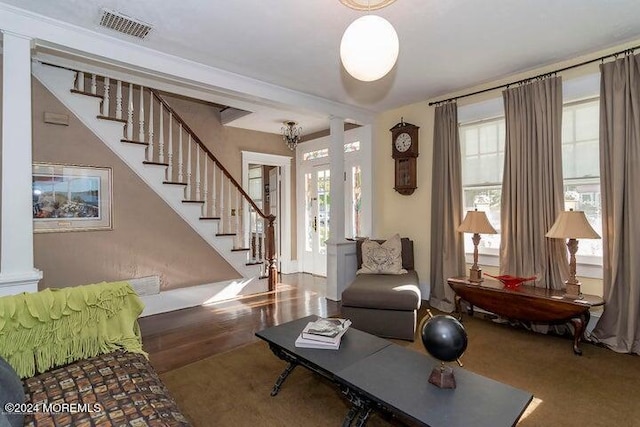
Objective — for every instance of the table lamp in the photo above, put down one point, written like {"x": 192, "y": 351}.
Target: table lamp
{"x": 476, "y": 222}
{"x": 572, "y": 225}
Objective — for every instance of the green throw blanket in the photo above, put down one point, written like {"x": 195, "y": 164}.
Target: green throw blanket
{"x": 54, "y": 327}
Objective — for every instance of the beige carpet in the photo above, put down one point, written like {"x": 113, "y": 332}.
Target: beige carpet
{"x": 600, "y": 388}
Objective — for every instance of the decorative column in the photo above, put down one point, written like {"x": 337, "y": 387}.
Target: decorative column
{"x": 341, "y": 254}
{"x": 17, "y": 273}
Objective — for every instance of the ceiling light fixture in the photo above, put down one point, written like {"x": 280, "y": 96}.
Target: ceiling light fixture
{"x": 369, "y": 47}
{"x": 291, "y": 134}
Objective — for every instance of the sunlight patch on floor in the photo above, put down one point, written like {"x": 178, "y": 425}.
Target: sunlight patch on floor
{"x": 231, "y": 290}
{"x": 532, "y": 407}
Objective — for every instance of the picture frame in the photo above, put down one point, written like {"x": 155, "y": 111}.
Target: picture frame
{"x": 71, "y": 198}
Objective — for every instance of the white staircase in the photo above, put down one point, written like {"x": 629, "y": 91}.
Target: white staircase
{"x": 216, "y": 231}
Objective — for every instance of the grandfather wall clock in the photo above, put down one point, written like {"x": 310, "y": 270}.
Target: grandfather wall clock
{"x": 404, "y": 138}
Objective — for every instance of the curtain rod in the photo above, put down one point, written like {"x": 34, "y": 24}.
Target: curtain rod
{"x": 602, "y": 58}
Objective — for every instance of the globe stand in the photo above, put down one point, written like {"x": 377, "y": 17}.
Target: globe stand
{"x": 444, "y": 338}
{"x": 442, "y": 376}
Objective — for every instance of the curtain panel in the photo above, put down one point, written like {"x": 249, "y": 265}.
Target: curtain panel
{"x": 532, "y": 187}
{"x": 619, "y": 326}
{"x": 447, "y": 244}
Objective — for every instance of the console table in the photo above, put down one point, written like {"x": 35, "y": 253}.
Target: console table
{"x": 376, "y": 374}
{"x": 526, "y": 303}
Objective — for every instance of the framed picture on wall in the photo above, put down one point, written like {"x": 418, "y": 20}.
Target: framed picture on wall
{"x": 71, "y": 198}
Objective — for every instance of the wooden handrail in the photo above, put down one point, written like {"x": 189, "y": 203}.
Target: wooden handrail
{"x": 210, "y": 154}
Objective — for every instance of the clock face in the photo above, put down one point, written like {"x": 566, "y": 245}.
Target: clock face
{"x": 403, "y": 142}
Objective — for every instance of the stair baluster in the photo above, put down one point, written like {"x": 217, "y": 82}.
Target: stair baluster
{"x": 205, "y": 207}
{"x": 94, "y": 85}
{"x": 170, "y": 149}
{"x": 130, "y": 113}
{"x": 221, "y": 229}
{"x": 161, "y": 135}
{"x": 198, "y": 196}
{"x": 105, "y": 98}
{"x": 214, "y": 206}
{"x": 239, "y": 235}
{"x": 118, "y": 99}
{"x": 188, "y": 192}
{"x": 180, "y": 165}
{"x": 80, "y": 81}
{"x": 150, "y": 146}
{"x": 141, "y": 116}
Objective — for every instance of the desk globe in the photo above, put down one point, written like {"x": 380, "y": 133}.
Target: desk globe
{"x": 445, "y": 338}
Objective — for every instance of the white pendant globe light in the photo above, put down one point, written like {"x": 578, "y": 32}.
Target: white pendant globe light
{"x": 369, "y": 48}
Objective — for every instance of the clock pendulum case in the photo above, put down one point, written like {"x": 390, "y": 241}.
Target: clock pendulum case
{"x": 404, "y": 141}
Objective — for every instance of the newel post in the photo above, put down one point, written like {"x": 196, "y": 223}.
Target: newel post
{"x": 271, "y": 253}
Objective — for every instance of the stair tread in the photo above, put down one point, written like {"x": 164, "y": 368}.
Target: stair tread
{"x": 174, "y": 183}
{"x": 240, "y": 249}
{"x": 146, "y": 162}
{"x": 84, "y": 92}
{"x": 131, "y": 141}
{"x": 113, "y": 119}
{"x": 210, "y": 218}
{"x": 193, "y": 201}
{"x": 225, "y": 234}
{"x": 254, "y": 263}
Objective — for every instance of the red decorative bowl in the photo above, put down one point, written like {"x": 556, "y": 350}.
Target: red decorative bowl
{"x": 511, "y": 282}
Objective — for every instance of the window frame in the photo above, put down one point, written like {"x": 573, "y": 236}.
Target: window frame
{"x": 590, "y": 265}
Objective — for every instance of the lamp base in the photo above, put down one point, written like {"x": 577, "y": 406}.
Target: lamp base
{"x": 572, "y": 290}
{"x": 442, "y": 377}
{"x": 475, "y": 275}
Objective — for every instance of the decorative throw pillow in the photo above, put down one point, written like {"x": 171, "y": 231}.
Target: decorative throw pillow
{"x": 11, "y": 391}
{"x": 382, "y": 258}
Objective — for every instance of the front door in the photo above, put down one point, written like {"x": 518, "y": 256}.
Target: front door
{"x": 316, "y": 220}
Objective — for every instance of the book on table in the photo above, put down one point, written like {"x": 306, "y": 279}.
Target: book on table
{"x": 323, "y": 333}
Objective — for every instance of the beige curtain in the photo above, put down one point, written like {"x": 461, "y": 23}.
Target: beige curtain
{"x": 532, "y": 189}
{"x": 447, "y": 245}
{"x": 619, "y": 326}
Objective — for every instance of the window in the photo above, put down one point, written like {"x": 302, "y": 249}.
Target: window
{"x": 482, "y": 148}
{"x": 317, "y": 154}
{"x": 581, "y": 170}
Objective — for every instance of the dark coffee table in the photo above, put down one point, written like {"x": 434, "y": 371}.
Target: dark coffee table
{"x": 376, "y": 374}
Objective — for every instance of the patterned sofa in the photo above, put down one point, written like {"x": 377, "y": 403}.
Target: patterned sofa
{"x": 79, "y": 354}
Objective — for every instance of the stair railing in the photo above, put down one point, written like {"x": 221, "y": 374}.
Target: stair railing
{"x": 188, "y": 163}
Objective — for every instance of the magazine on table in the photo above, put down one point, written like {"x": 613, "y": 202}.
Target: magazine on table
{"x": 326, "y": 328}
{"x": 323, "y": 333}
{"x": 306, "y": 343}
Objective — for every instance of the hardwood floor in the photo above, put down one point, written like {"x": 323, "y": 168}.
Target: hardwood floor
{"x": 181, "y": 337}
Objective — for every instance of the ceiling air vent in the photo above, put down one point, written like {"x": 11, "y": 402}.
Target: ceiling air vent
{"x": 123, "y": 24}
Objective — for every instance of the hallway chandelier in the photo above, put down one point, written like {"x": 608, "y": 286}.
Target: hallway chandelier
{"x": 291, "y": 134}
{"x": 369, "y": 47}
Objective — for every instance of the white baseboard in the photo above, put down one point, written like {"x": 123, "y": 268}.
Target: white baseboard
{"x": 177, "y": 299}
{"x": 289, "y": 267}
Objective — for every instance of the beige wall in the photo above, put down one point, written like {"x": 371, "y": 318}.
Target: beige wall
{"x": 227, "y": 144}
{"x": 411, "y": 215}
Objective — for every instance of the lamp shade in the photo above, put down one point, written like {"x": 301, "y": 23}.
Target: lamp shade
{"x": 572, "y": 225}
{"x": 369, "y": 48}
{"x": 476, "y": 222}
